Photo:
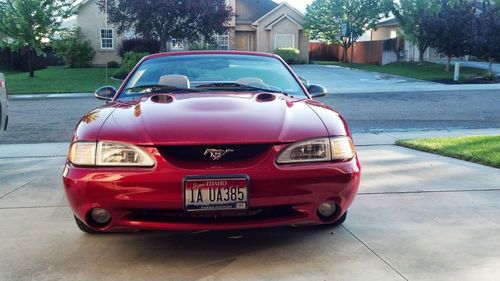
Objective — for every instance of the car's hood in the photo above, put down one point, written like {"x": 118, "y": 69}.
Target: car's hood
{"x": 214, "y": 118}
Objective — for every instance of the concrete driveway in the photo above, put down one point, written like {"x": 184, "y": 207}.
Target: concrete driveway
{"x": 339, "y": 79}
{"x": 418, "y": 217}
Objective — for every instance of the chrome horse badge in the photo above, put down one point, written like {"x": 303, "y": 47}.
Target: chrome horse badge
{"x": 217, "y": 154}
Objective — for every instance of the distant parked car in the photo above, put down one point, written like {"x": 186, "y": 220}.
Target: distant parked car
{"x": 4, "y": 102}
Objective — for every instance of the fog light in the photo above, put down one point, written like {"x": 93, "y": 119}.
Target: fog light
{"x": 327, "y": 209}
{"x": 100, "y": 216}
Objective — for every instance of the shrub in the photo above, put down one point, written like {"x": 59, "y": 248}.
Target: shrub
{"x": 290, "y": 55}
{"x": 75, "y": 51}
{"x": 120, "y": 74}
{"x": 130, "y": 59}
{"x": 138, "y": 45}
{"x": 113, "y": 64}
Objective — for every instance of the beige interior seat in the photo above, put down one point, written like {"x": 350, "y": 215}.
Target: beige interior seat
{"x": 178, "y": 81}
{"x": 252, "y": 81}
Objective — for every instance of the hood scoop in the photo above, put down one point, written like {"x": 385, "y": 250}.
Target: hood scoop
{"x": 265, "y": 97}
{"x": 162, "y": 99}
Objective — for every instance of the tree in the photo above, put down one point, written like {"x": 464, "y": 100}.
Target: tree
{"x": 449, "y": 29}
{"x": 75, "y": 51}
{"x": 28, "y": 23}
{"x": 410, "y": 14}
{"x": 326, "y": 19}
{"x": 486, "y": 38}
{"x": 190, "y": 20}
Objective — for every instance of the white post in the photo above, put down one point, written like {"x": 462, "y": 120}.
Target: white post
{"x": 457, "y": 71}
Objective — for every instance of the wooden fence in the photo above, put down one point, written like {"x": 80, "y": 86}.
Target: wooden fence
{"x": 367, "y": 52}
{"x": 18, "y": 60}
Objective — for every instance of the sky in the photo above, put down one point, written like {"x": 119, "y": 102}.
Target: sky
{"x": 298, "y": 4}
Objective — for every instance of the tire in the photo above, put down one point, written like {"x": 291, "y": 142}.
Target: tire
{"x": 340, "y": 220}
{"x": 333, "y": 224}
{"x": 83, "y": 227}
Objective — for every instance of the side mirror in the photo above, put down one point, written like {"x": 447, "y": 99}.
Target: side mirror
{"x": 105, "y": 93}
{"x": 316, "y": 91}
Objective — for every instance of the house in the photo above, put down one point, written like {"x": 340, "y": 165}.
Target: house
{"x": 257, "y": 25}
{"x": 390, "y": 29}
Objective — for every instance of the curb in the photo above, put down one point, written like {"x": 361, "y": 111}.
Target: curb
{"x": 51, "y": 96}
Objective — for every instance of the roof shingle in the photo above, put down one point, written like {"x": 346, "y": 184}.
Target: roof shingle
{"x": 248, "y": 11}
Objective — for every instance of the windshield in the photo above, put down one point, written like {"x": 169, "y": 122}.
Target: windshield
{"x": 215, "y": 72}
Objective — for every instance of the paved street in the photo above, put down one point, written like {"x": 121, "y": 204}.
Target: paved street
{"x": 418, "y": 216}
{"x": 53, "y": 120}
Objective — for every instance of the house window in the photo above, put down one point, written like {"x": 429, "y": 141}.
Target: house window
{"x": 106, "y": 38}
{"x": 222, "y": 41}
{"x": 176, "y": 44}
{"x": 394, "y": 33}
{"x": 284, "y": 41}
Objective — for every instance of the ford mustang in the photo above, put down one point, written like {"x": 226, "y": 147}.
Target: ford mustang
{"x": 210, "y": 141}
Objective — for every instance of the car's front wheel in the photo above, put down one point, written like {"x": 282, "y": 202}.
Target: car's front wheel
{"x": 83, "y": 227}
{"x": 340, "y": 220}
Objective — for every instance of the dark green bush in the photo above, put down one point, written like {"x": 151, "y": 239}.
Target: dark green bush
{"x": 138, "y": 45}
{"x": 75, "y": 51}
{"x": 290, "y": 55}
{"x": 120, "y": 74}
{"x": 130, "y": 59}
{"x": 113, "y": 64}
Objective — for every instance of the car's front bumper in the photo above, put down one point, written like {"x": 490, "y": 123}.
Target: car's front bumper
{"x": 152, "y": 198}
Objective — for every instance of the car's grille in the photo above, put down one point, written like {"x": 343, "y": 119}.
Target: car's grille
{"x": 172, "y": 216}
{"x": 206, "y": 155}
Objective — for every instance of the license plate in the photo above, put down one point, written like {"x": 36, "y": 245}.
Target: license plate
{"x": 202, "y": 194}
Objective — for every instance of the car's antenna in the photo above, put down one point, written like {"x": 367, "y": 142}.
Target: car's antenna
{"x": 106, "y": 28}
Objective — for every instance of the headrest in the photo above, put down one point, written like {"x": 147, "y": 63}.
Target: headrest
{"x": 251, "y": 81}
{"x": 178, "y": 81}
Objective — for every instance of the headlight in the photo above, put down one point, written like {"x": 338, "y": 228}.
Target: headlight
{"x": 318, "y": 150}
{"x": 82, "y": 153}
{"x": 111, "y": 154}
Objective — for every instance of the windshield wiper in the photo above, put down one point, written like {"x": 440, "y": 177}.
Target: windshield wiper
{"x": 155, "y": 88}
{"x": 236, "y": 86}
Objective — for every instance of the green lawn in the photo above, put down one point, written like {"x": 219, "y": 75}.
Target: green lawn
{"x": 480, "y": 149}
{"x": 425, "y": 71}
{"x": 59, "y": 80}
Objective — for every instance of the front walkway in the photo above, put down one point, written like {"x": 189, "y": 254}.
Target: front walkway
{"x": 477, "y": 64}
{"x": 417, "y": 216}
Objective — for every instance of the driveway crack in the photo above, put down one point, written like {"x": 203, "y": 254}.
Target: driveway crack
{"x": 16, "y": 189}
{"x": 375, "y": 253}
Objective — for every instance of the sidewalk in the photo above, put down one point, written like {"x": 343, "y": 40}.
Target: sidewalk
{"x": 51, "y": 96}
{"x": 477, "y": 64}
{"x": 390, "y": 138}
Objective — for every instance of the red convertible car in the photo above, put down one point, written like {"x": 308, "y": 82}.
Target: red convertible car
{"x": 210, "y": 141}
